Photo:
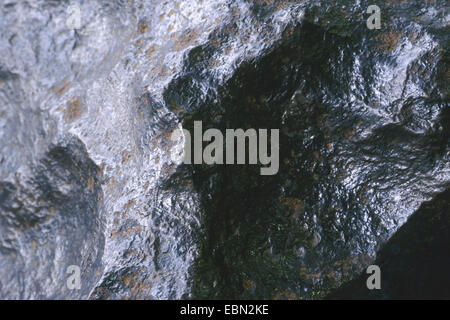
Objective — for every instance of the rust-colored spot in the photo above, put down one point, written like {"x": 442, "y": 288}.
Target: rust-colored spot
{"x": 388, "y": 41}
{"x": 125, "y": 157}
{"x": 150, "y": 51}
{"x": 247, "y": 284}
{"x": 90, "y": 184}
{"x": 143, "y": 27}
{"x": 127, "y": 279}
{"x": 128, "y": 205}
{"x": 73, "y": 110}
{"x": 62, "y": 88}
{"x": 185, "y": 40}
{"x": 293, "y": 203}
{"x": 284, "y": 295}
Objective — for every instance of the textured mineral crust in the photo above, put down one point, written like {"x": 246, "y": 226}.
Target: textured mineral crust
{"x": 415, "y": 260}
{"x": 91, "y": 93}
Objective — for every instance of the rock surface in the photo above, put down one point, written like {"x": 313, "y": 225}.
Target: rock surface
{"x": 415, "y": 261}
{"x": 88, "y": 114}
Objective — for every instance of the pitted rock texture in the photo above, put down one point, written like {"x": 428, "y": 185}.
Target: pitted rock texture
{"x": 87, "y": 172}
{"x": 415, "y": 260}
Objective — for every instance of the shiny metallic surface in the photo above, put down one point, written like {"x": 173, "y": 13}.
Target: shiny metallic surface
{"x": 87, "y": 175}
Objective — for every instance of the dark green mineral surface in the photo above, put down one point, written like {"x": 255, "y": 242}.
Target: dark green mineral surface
{"x": 87, "y": 115}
